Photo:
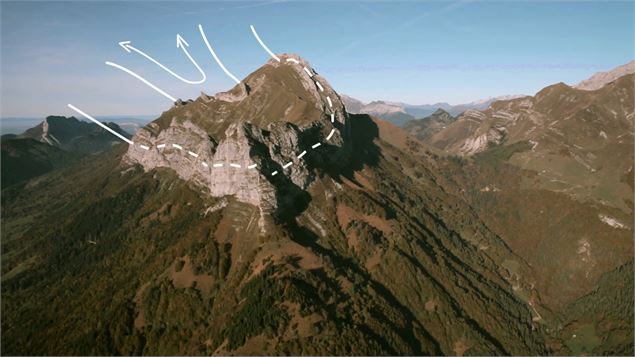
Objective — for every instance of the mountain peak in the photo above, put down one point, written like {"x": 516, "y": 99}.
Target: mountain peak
{"x": 439, "y": 112}
{"x": 287, "y": 91}
{"x": 424, "y": 128}
{"x": 251, "y": 141}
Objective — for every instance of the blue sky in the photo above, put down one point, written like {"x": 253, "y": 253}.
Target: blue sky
{"x": 53, "y": 53}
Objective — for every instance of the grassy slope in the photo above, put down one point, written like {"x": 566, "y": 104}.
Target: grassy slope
{"x": 23, "y": 159}
{"x": 571, "y": 251}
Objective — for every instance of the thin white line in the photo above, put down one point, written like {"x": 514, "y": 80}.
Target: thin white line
{"x": 274, "y": 173}
{"x": 287, "y": 164}
{"x": 328, "y": 99}
{"x": 144, "y": 147}
{"x": 160, "y": 146}
{"x": 142, "y": 80}
{"x": 177, "y": 146}
{"x": 308, "y": 72}
{"x": 319, "y": 86}
{"x": 316, "y": 145}
{"x": 293, "y": 60}
{"x": 235, "y": 165}
{"x": 218, "y": 165}
{"x": 204, "y": 164}
{"x": 100, "y": 124}
{"x": 330, "y": 134}
{"x": 209, "y": 47}
{"x": 332, "y": 118}
{"x": 180, "y": 42}
{"x": 253, "y": 30}
{"x": 253, "y": 166}
{"x": 192, "y": 154}
{"x": 302, "y": 154}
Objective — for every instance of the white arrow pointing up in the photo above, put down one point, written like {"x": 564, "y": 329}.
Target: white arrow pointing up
{"x": 180, "y": 43}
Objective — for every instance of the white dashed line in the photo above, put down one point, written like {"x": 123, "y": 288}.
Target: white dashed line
{"x": 319, "y": 86}
{"x": 328, "y": 99}
{"x": 204, "y": 164}
{"x": 253, "y": 166}
{"x": 330, "y": 134}
{"x": 144, "y": 147}
{"x": 308, "y": 72}
{"x": 160, "y": 146}
{"x": 316, "y": 145}
{"x": 332, "y": 118}
{"x": 192, "y": 154}
{"x": 274, "y": 173}
{"x": 235, "y": 165}
{"x": 218, "y": 165}
{"x": 302, "y": 154}
{"x": 293, "y": 60}
{"x": 177, "y": 146}
{"x": 287, "y": 164}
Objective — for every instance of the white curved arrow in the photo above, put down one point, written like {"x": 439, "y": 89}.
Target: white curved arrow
{"x": 253, "y": 30}
{"x": 180, "y": 43}
{"x": 141, "y": 79}
{"x": 211, "y": 50}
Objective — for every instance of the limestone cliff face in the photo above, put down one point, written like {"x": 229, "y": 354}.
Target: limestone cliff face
{"x": 278, "y": 127}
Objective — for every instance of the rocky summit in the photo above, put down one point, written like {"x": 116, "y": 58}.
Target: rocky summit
{"x": 251, "y": 140}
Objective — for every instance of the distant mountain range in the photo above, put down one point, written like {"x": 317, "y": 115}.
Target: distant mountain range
{"x": 130, "y": 124}
{"x": 70, "y": 134}
{"x": 400, "y": 113}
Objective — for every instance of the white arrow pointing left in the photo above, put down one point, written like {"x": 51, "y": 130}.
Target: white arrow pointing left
{"x": 180, "y": 43}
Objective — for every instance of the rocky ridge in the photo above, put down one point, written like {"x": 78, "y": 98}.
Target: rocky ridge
{"x": 568, "y": 136}
{"x": 599, "y": 79}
